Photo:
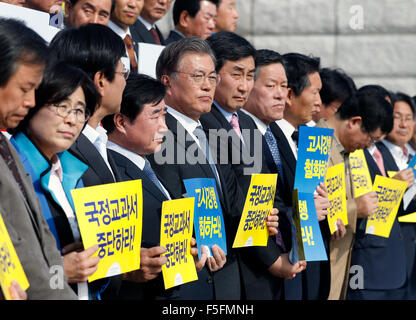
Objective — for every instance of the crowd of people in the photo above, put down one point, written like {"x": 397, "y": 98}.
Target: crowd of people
{"x": 78, "y": 114}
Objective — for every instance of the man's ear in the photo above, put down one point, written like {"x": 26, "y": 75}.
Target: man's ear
{"x": 100, "y": 82}
{"x": 120, "y": 122}
{"x": 68, "y": 7}
{"x": 354, "y": 122}
{"x": 290, "y": 96}
{"x": 167, "y": 82}
{"x": 184, "y": 19}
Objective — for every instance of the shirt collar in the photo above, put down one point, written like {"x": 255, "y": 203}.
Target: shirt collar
{"x": 188, "y": 123}
{"x": 118, "y": 30}
{"x": 260, "y": 124}
{"x": 132, "y": 156}
{"x": 147, "y": 24}
{"x": 227, "y": 115}
{"x": 94, "y": 134}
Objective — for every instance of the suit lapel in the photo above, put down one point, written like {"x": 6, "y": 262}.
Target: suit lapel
{"x": 284, "y": 147}
{"x": 134, "y": 173}
{"x": 90, "y": 155}
{"x": 389, "y": 162}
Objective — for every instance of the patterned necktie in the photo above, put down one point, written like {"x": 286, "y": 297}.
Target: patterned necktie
{"x": 274, "y": 150}
{"x": 130, "y": 50}
{"x": 235, "y": 124}
{"x": 11, "y": 163}
{"x": 155, "y": 36}
{"x": 148, "y": 171}
{"x": 379, "y": 161}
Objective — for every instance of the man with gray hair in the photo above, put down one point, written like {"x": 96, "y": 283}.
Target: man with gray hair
{"x": 187, "y": 69}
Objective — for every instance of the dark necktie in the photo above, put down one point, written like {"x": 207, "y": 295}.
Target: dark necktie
{"x": 295, "y": 137}
{"x": 11, "y": 163}
{"x": 155, "y": 36}
{"x": 130, "y": 50}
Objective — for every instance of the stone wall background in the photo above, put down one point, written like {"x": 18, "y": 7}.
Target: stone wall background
{"x": 374, "y": 41}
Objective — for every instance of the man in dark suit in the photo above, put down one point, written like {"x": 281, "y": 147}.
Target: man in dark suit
{"x": 22, "y": 59}
{"x": 187, "y": 68}
{"x": 134, "y": 133}
{"x": 97, "y": 50}
{"x": 359, "y": 120}
{"x": 302, "y": 103}
{"x": 145, "y": 28}
{"x": 396, "y": 253}
{"x": 236, "y": 67}
{"x": 123, "y": 16}
{"x": 193, "y": 18}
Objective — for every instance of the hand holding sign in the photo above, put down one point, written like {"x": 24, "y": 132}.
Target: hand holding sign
{"x": 79, "y": 265}
{"x": 366, "y": 204}
{"x": 321, "y": 202}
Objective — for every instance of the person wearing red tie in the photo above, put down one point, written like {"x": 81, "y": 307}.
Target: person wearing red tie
{"x": 124, "y": 15}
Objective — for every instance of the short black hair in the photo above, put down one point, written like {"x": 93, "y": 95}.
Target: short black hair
{"x": 265, "y": 57}
{"x": 19, "y": 44}
{"x": 298, "y": 69}
{"x": 374, "y": 110}
{"x": 400, "y": 96}
{"x": 140, "y": 90}
{"x": 336, "y": 85}
{"x": 60, "y": 80}
{"x": 229, "y": 46}
{"x": 191, "y": 6}
{"x": 92, "y": 47}
{"x": 377, "y": 89}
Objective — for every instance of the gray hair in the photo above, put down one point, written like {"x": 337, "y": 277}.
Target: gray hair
{"x": 171, "y": 57}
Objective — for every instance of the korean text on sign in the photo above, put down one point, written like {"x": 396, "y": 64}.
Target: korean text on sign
{"x": 359, "y": 172}
{"x": 252, "y": 230}
{"x": 390, "y": 193}
{"x": 10, "y": 267}
{"x": 335, "y": 185}
{"x": 175, "y": 235}
{"x": 111, "y": 216}
{"x": 208, "y": 218}
{"x": 311, "y": 236}
{"x": 313, "y": 155}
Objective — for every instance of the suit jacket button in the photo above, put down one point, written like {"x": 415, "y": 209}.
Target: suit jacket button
{"x": 209, "y": 280}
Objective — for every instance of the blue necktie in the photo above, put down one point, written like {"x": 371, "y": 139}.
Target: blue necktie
{"x": 272, "y": 143}
{"x": 148, "y": 171}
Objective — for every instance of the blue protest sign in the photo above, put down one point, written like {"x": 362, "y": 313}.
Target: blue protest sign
{"x": 314, "y": 150}
{"x": 208, "y": 219}
{"x": 311, "y": 236}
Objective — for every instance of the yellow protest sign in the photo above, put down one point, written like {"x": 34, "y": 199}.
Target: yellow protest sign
{"x": 391, "y": 174}
{"x": 335, "y": 185}
{"x": 359, "y": 172}
{"x": 175, "y": 235}
{"x": 110, "y": 215}
{"x": 390, "y": 193}
{"x": 409, "y": 218}
{"x": 252, "y": 230}
{"x": 10, "y": 266}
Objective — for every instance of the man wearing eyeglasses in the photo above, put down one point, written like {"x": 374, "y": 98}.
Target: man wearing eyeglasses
{"x": 359, "y": 120}
{"x": 193, "y": 18}
{"x": 187, "y": 69}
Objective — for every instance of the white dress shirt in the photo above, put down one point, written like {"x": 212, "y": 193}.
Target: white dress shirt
{"x": 98, "y": 137}
{"x": 398, "y": 154}
{"x": 147, "y": 24}
{"x": 137, "y": 159}
{"x": 288, "y": 130}
{"x": 122, "y": 33}
{"x": 261, "y": 126}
